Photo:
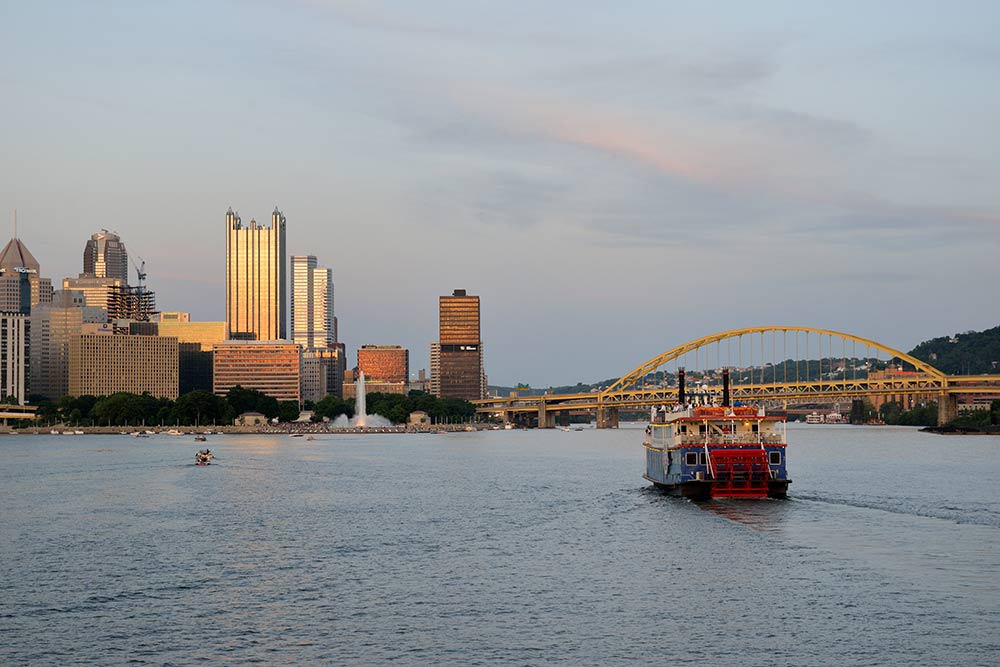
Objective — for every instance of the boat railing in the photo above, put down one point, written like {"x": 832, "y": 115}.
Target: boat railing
{"x": 728, "y": 439}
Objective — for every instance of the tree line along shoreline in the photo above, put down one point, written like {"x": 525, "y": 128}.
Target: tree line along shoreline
{"x": 202, "y": 408}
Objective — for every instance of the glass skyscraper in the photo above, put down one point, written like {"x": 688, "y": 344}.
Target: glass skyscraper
{"x": 256, "y": 290}
{"x": 313, "y": 322}
{"x": 105, "y": 257}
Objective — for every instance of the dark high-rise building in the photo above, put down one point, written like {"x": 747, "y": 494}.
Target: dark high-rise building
{"x": 104, "y": 256}
{"x": 460, "y": 348}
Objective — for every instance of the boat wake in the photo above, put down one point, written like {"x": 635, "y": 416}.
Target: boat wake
{"x": 977, "y": 514}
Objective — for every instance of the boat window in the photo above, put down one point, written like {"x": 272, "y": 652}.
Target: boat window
{"x": 702, "y": 458}
{"x": 691, "y": 458}
{"x": 774, "y": 458}
{"x": 755, "y": 428}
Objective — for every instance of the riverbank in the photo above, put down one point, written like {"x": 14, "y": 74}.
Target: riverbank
{"x": 962, "y": 430}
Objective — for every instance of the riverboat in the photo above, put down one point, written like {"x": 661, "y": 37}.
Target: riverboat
{"x": 705, "y": 452}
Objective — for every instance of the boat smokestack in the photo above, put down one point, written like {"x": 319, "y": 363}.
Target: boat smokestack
{"x": 725, "y": 387}
{"x": 680, "y": 385}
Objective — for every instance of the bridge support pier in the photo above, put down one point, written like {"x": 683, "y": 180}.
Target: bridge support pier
{"x": 545, "y": 420}
{"x": 947, "y": 408}
{"x": 607, "y": 417}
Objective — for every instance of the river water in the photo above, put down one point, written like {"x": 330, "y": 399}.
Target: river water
{"x": 493, "y": 548}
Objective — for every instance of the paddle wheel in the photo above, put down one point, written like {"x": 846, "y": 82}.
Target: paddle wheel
{"x": 739, "y": 473}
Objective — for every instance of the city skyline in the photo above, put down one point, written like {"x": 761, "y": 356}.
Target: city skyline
{"x": 576, "y": 169}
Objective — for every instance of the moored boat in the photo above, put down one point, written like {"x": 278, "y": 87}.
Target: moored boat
{"x": 704, "y": 452}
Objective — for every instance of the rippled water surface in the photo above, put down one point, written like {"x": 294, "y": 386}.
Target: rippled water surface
{"x": 507, "y": 547}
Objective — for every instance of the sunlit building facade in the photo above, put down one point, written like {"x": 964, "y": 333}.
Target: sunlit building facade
{"x": 313, "y": 321}
{"x": 384, "y": 363}
{"x": 98, "y": 292}
{"x": 52, "y": 326}
{"x": 101, "y": 364}
{"x": 104, "y": 256}
{"x": 195, "y": 341}
{"x": 256, "y": 290}
{"x": 459, "y": 362}
{"x": 272, "y": 367}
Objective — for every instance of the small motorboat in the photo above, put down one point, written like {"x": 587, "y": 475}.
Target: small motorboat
{"x": 200, "y": 438}
{"x": 204, "y": 457}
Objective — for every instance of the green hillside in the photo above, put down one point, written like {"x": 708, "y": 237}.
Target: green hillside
{"x": 969, "y": 353}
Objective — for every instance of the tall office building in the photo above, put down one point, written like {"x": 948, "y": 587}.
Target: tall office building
{"x": 104, "y": 256}
{"x": 19, "y": 273}
{"x": 460, "y": 355}
{"x": 386, "y": 369}
{"x": 195, "y": 341}
{"x": 313, "y": 321}
{"x": 273, "y": 367}
{"x": 14, "y": 352}
{"x": 314, "y": 329}
{"x": 385, "y": 363}
{"x": 435, "y": 380}
{"x": 52, "y": 326}
{"x": 97, "y": 291}
{"x": 101, "y": 364}
{"x": 256, "y": 290}
{"x": 323, "y": 370}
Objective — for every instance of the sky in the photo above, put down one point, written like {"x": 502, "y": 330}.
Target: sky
{"x": 612, "y": 179}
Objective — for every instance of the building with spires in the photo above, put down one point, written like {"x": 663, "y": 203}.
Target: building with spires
{"x": 20, "y": 281}
{"x": 256, "y": 283}
{"x": 104, "y": 256}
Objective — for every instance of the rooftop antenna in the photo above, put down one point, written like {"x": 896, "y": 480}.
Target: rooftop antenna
{"x": 15, "y": 223}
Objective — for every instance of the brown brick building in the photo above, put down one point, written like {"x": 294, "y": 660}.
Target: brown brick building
{"x": 458, "y": 357}
{"x": 384, "y": 363}
{"x": 272, "y": 367}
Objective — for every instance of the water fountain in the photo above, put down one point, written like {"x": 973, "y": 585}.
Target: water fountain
{"x": 360, "y": 409}
{"x": 361, "y": 418}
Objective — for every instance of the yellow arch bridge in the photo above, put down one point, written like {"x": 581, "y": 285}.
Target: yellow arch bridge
{"x": 777, "y": 365}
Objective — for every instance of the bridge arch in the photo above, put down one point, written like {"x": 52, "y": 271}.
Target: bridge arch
{"x": 636, "y": 374}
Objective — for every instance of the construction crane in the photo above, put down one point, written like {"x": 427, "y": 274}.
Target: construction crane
{"x": 140, "y": 271}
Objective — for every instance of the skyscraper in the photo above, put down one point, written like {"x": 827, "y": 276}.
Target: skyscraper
{"x": 314, "y": 328}
{"x": 460, "y": 361}
{"x": 313, "y": 321}
{"x": 104, "y": 256}
{"x": 52, "y": 326}
{"x": 14, "y": 357}
{"x": 256, "y": 290}
{"x": 19, "y": 273}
